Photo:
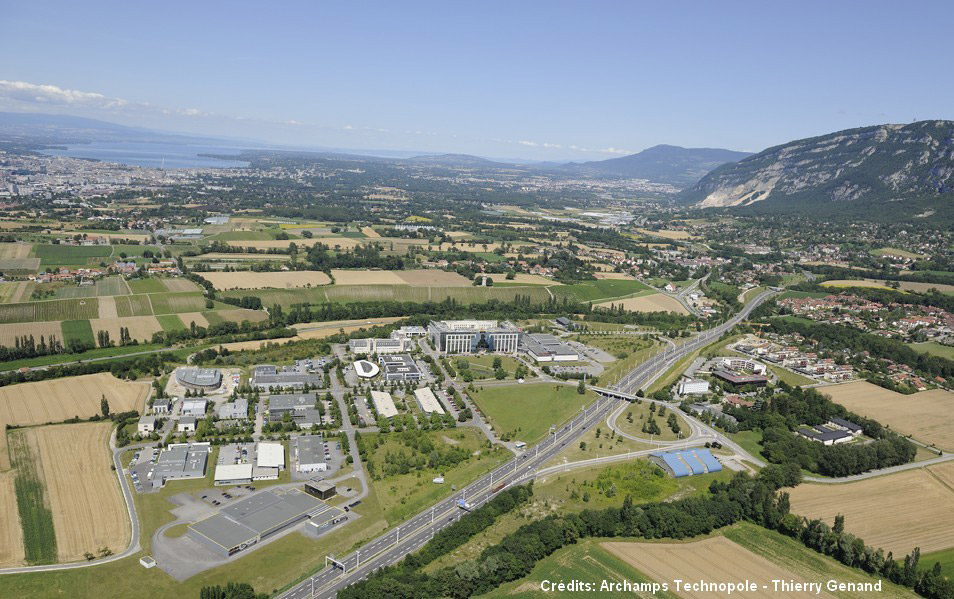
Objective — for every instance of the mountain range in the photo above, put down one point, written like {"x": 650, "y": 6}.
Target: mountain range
{"x": 677, "y": 166}
{"x": 907, "y": 169}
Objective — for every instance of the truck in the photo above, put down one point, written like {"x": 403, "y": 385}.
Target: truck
{"x": 463, "y": 505}
{"x": 498, "y": 487}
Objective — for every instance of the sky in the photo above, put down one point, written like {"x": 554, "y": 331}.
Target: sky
{"x": 517, "y": 79}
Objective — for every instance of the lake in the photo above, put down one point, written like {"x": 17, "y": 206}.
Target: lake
{"x": 153, "y": 155}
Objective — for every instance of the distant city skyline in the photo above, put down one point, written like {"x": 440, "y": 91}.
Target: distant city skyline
{"x": 526, "y": 80}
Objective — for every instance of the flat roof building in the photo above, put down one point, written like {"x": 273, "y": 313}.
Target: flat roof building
{"x": 199, "y": 378}
{"x": 161, "y": 406}
{"x": 180, "y": 461}
{"x": 321, "y": 489}
{"x": 693, "y": 387}
{"x": 377, "y": 346}
{"x": 187, "y": 424}
{"x": 270, "y": 455}
{"x": 400, "y": 367}
{"x": 234, "y": 410}
{"x": 147, "y": 424}
{"x": 471, "y": 336}
{"x": 547, "y": 348}
{"x": 427, "y": 401}
{"x": 384, "y": 404}
{"x": 741, "y": 380}
{"x": 233, "y": 474}
{"x": 250, "y": 520}
{"x": 309, "y": 453}
{"x": 267, "y": 377}
{"x": 194, "y": 407}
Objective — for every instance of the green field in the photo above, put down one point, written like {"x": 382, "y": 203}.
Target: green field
{"x": 36, "y": 518}
{"x": 171, "y": 322}
{"x": 601, "y": 289}
{"x": 945, "y": 557}
{"x": 133, "y": 251}
{"x": 150, "y": 285}
{"x": 51, "y": 310}
{"x": 133, "y": 305}
{"x": 71, "y": 255}
{"x": 527, "y": 411}
{"x": 104, "y": 352}
{"x": 801, "y": 294}
{"x": 933, "y": 348}
{"x": 749, "y": 441}
{"x": 78, "y": 330}
{"x": 401, "y": 495}
{"x": 174, "y": 303}
{"x": 585, "y": 561}
{"x": 105, "y": 286}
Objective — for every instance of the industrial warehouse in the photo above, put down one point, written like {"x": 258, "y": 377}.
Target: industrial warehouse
{"x": 547, "y": 348}
{"x": 686, "y": 462}
{"x": 472, "y": 336}
{"x": 251, "y": 520}
{"x": 427, "y": 401}
{"x": 266, "y": 377}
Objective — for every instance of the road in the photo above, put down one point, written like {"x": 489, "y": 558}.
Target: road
{"x": 395, "y": 544}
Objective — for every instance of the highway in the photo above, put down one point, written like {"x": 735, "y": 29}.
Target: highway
{"x": 392, "y": 546}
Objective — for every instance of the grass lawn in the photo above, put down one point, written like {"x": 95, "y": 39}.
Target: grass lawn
{"x": 749, "y": 441}
{"x": 150, "y": 285}
{"x": 640, "y": 415}
{"x": 585, "y": 561}
{"x": 945, "y": 557}
{"x": 629, "y": 350}
{"x": 401, "y": 495}
{"x": 597, "y": 447}
{"x": 528, "y": 411}
{"x": 171, "y": 322}
{"x": 80, "y": 330}
{"x": 896, "y": 252}
{"x": 482, "y": 366}
{"x": 792, "y": 378}
{"x": 934, "y": 348}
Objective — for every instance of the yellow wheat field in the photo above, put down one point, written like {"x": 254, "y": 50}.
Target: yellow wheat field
{"x": 944, "y": 473}
{"x": 107, "y": 307}
{"x": 87, "y": 505}
{"x": 927, "y": 416}
{"x": 432, "y": 278}
{"x": 264, "y": 280}
{"x": 58, "y": 399}
{"x": 198, "y": 318}
{"x": 368, "y": 277}
{"x": 369, "y": 232}
{"x": 613, "y": 275}
{"x": 715, "y": 560}
{"x": 140, "y": 327}
{"x": 9, "y": 333}
{"x": 239, "y": 314}
{"x": 656, "y": 302}
{"x": 11, "y": 533}
{"x": 15, "y": 250}
{"x": 897, "y": 512}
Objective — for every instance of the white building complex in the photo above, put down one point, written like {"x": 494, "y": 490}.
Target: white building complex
{"x": 427, "y": 401}
{"x": 472, "y": 336}
{"x": 693, "y": 387}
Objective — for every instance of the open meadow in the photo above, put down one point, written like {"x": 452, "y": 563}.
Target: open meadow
{"x": 88, "y": 509}
{"x": 526, "y": 412}
{"x": 897, "y": 512}
{"x": 880, "y": 284}
{"x": 928, "y": 416}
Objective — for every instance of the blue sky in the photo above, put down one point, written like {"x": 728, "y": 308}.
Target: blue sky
{"x": 536, "y": 80}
